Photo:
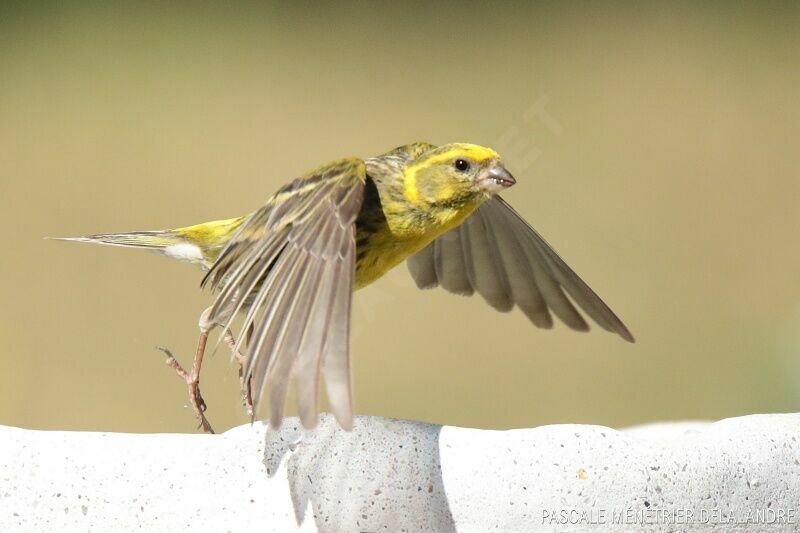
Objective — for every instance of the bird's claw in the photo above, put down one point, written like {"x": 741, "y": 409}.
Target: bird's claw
{"x": 192, "y": 380}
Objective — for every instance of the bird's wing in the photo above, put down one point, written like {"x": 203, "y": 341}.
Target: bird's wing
{"x": 291, "y": 267}
{"x": 495, "y": 253}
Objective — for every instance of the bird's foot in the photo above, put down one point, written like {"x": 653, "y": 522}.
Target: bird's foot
{"x": 192, "y": 380}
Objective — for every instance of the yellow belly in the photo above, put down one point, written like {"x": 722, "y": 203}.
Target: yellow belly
{"x": 383, "y": 255}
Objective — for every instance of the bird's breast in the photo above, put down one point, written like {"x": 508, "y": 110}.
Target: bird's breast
{"x": 381, "y": 245}
{"x": 378, "y": 254}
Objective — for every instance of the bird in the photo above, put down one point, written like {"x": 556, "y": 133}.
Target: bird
{"x": 290, "y": 267}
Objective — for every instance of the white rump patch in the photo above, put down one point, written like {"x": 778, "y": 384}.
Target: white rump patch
{"x": 184, "y": 251}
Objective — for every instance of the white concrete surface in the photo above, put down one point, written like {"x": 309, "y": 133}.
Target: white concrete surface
{"x": 740, "y": 474}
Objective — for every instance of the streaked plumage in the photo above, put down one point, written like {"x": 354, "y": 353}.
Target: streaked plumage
{"x": 290, "y": 267}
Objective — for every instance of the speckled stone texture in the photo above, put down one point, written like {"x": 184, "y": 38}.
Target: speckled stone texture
{"x": 740, "y": 474}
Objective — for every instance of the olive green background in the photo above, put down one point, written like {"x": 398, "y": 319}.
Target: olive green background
{"x": 655, "y": 146}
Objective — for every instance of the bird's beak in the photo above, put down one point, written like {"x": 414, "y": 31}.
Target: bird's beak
{"x": 496, "y": 179}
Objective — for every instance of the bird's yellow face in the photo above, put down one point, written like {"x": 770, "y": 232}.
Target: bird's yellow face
{"x": 455, "y": 175}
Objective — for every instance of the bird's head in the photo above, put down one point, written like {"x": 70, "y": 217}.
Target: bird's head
{"x": 456, "y": 174}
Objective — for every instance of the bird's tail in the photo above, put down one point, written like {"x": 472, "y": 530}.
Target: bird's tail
{"x": 194, "y": 244}
{"x": 151, "y": 240}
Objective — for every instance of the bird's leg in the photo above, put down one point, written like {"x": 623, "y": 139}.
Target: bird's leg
{"x": 193, "y": 378}
{"x": 241, "y": 359}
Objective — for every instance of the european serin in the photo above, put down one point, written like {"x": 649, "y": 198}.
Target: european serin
{"x": 291, "y": 266}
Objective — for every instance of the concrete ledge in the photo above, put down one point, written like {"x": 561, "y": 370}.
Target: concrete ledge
{"x": 395, "y": 475}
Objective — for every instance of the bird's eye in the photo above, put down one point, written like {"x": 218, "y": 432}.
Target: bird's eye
{"x": 462, "y": 165}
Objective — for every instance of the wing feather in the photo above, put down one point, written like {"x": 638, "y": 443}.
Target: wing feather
{"x": 291, "y": 267}
{"x": 509, "y": 263}
{"x": 307, "y": 368}
{"x": 423, "y": 267}
{"x": 485, "y": 274}
{"x": 449, "y": 266}
{"x": 519, "y": 272}
{"x": 337, "y": 367}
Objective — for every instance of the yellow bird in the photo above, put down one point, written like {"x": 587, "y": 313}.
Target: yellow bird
{"x": 291, "y": 266}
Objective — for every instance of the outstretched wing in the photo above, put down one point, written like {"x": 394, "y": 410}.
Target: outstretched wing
{"x": 495, "y": 253}
{"x": 291, "y": 267}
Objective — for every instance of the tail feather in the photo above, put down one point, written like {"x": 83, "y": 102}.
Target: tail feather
{"x": 199, "y": 244}
{"x": 170, "y": 243}
{"x": 157, "y": 240}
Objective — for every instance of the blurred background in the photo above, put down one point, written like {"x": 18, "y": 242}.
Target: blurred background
{"x": 654, "y": 146}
